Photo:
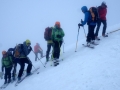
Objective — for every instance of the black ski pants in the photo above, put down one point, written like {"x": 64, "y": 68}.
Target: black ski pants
{"x": 49, "y": 45}
{"x": 56, "y": 49}
{"x": 98, "y": 27}
{"x": 8, "y": 73}
{"x": 22, "y": 65}
{"x": 90, "y": 35}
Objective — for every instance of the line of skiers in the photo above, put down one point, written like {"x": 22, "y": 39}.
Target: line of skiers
{"x": 94, "y": 16}
{"x": 54, "y": 37}
{"x": 19, "y": 54}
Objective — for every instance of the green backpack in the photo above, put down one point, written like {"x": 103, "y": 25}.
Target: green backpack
{"x": 7, "y": 62}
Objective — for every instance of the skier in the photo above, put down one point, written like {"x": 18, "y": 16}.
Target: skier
{"x": 22, "y": 51}
{"x": 91, "y": 22}
{"x": 57, "y": 38}
{"x": 102, "y": 11}
{"x": 47, "y": 36}
{"x": 38, "y": 49}
{"x": 7, "y": 63}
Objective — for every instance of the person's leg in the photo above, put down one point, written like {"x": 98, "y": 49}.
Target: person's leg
{"x": 92, "y": 32}
{"x": 48, "y": 51}
{"x": 89, "y": 35}
{"x": 22, "y": 65}
{"x": 14, "y": 70}
{"x": 58, "y": 49}
{"x": 5, "y": 76}
{"x": 29, "y": 67}
{"x": 56, "y": 46}
{"x": 98, "y": 27}
{"x": 36, "y": 56}
{"x": 104, "y": 27}
{"x": 41, "y": 53}
{"x": 9, "y": 74}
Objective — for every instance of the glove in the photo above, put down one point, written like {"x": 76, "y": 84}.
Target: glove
{"x": 58, "y": 36}
{"x": 30, "y": 48}
{"x": 81, "y": 21}
{"x": 79, "y": 25}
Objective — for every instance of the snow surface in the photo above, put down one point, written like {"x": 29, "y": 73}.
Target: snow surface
{"x": 86, "y": 69}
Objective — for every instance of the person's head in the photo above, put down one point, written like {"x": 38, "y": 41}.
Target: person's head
{"x": 4, "y": 53}
{"x": 103, "y": 4}
{"x": 57, "y": 24}
{"x": 28, "y": 43}
{"x": 84, "y": 9}
{"x": 37, "y": 44}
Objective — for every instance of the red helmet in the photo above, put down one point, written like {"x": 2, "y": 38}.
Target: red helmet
{"x": 4, "y": 52}
{"x": 57, "y": 24}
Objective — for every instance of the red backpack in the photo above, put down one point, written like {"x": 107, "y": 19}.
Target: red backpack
{"x": 47, "y": 33}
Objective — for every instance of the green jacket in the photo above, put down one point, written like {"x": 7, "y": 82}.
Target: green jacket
{"x": 56, "y": 32}
{"x": 7, "y": 62}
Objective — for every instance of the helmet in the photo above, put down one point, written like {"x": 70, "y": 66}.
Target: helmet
{"x": 4, "y": 52}
{"x": 28, "y": 42}
{"x": 57, "y": 23}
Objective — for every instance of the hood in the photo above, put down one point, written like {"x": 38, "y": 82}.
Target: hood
{"x": 84, "y": 9}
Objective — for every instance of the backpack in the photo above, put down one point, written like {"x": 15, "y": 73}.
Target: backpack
{"x": 47, "y": 33}
{"x": 17, "y": 51}
{"x": 7, "y": 61}
{"x": 93, "y": 14}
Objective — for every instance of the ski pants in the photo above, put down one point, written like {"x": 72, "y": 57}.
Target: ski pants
{"x": 22, "y": 65}
{"x": 49, "y": 45}
{"x": 16, "y": 60}
{"x": 8, "y": 73}
{"x": 90, "y": 35}
{"x": 56, "y": 49}
{"x": 36, "y": 54}
{"x": 98, "y": 27}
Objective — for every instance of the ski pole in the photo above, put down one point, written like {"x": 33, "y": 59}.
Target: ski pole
{"x": 39, "y": 59}
{"x": 84, "y": 31}
{"x": 63, "y": 47}
{"x": 41, "y": 62}
{"x": 77, "y": 39}
{"x": 83, "y": 28}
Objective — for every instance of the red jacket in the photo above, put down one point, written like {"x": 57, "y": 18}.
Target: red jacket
{"x": 37, "y": 48}
{"x": 102, "y": 11}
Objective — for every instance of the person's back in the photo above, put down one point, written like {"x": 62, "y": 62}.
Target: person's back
{"x": 102, "y": 11}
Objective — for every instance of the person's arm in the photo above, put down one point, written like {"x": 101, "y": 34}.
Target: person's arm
{"x": 85, "y": 18}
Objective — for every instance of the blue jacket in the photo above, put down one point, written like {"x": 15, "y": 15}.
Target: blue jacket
{"x": 87, "y": 18}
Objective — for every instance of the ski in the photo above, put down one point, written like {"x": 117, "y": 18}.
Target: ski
{"x": 23, "y": 78}
{"x": 4, "y": 86}
{"x": 94, "y": 43}
{"x": 88, "y": 46}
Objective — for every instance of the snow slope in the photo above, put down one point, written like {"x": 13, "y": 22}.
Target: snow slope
{"x": 86, "y": 69}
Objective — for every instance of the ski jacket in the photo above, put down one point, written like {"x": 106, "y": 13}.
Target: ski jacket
{"x": 87, "y": 17}
{"x": 57, "y": 34}
{"x": 102, "y": 11}
{"x": 37, "y": 48}
{"x": 7, "y": 62}
{"x": 24, "y": 50}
